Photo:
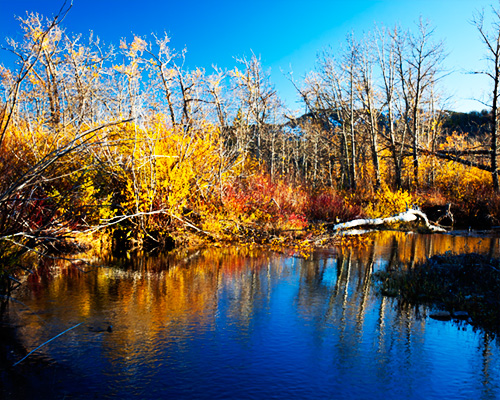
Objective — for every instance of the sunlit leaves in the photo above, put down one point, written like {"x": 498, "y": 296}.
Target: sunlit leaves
{"x": 388, "y": 203}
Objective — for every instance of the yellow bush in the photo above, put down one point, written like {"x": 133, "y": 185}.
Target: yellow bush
{"x": 173, "y": 173}
{"x": 387, "y": 202}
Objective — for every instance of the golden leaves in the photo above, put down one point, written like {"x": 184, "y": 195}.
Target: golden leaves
{"x": 388, "y": 202}
{"x": 135, "y": 48}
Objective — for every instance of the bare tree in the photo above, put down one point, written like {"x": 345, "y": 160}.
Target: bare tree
{"x": 42, "y": 166}
{"x": 29, "y": 55}
{"x": 386, "y": 59}
{"x": 418, "y": 63}
{"x": 491, "y": 40}
{"x": 368, "y": 97}
{"x": 258, "y": 103}
{"x": 332, "y": 96}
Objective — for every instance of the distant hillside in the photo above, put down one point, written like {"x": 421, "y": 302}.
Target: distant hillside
{"x": 475, "y": 123}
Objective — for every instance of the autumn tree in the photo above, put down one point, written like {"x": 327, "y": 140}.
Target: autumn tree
{"x": 49, "y": 117}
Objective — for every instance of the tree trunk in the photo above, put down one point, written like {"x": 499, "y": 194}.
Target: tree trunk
{"x": 406, "y": 216}
{"x": 494, "y": 123}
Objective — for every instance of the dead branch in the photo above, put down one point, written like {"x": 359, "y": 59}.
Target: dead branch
{"x": 407, "y": 216}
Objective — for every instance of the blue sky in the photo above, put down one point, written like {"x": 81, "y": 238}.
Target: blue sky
{"x": 286, "y": 34}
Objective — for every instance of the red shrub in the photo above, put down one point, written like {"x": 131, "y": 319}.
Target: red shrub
{"x": 331, "y": 207}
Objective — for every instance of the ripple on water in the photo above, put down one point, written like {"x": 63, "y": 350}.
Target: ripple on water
{"x": 266, "y": 326}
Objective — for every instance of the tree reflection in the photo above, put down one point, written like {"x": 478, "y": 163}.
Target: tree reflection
{"x": 165, "y": 310}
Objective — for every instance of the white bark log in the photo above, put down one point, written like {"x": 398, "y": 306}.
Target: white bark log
{"x": 407, "y": 216}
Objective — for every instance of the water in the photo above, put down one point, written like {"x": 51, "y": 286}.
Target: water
{"x": 246, "y": 324}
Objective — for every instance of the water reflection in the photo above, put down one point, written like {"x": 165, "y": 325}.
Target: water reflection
{"x": 228, "y": 323}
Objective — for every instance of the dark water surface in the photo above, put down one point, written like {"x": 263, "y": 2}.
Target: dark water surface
{"x": 229, "y": 323}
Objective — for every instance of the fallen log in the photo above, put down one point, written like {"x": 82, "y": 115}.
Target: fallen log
{"x": 406, "y": 216}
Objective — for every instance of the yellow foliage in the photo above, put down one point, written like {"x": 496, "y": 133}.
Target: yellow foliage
{"x": 456, "y": 181}
{"x": 172, "y": 172}
{"x": 460, "y": 181}
{"x": 387, "y": 202}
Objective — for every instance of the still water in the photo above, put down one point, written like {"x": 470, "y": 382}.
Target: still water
{"x": 247, "y": 324}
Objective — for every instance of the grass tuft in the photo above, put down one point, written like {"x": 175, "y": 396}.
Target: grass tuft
{"x": 464, "y": 282}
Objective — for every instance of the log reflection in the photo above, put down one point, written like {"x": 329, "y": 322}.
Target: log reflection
{"x": 165, "y": 311}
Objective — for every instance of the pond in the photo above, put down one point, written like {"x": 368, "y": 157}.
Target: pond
{"x": 245, "y": 324}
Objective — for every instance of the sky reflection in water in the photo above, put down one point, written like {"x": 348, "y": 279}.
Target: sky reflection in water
{"x": 251, "y": 324}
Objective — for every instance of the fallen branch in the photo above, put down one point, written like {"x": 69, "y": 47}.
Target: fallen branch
{"x": 407, "y": 216}
{"x": 187, "y": 223}
{"x": 43, "y": 344}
